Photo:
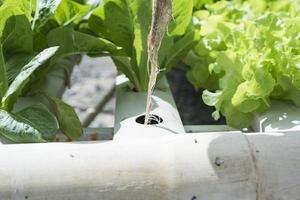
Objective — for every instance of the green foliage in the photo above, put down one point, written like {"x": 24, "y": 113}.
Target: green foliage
{"x": 74, "y": 42}
{"x": 29, "y": 33}
{"x": 15, "y": 88}
{"x": 200, "y": 3}
{"x": 43, "y": 10}
{"x": 3, "y": 74}
{"x": 67, "y": 118}
{"x": 252, "y": 50}
{"x": 69, "y": 11}
{"x": 33, "y": 124}
{"x": 17, "y": 35}
{"x": 126, "y": 23}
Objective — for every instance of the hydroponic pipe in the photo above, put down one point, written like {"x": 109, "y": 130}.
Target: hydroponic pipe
{"x": 130, "y": 110}
{"x": 210, "y": 166}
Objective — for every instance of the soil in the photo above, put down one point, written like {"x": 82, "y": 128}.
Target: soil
{"x": 191, "y": 108}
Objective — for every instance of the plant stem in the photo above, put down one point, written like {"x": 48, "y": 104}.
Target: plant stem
{"x": 3, "y": 74}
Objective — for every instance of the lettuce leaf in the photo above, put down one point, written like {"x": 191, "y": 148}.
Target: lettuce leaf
{"x": 252, "y": 51}
{"x": 15, "y": 88}
{"x": 27, "y": 54}
{"x": 33, "y": 124}
{"x": 127, "y": 24}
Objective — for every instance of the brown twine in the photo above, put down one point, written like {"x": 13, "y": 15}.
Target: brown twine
{"x": 161, "y": 16}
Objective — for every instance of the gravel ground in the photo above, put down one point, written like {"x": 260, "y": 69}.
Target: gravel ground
{"x": 90, "y": 80}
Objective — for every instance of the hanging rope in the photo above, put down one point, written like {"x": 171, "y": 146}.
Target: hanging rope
{"x": 161, "y": 16}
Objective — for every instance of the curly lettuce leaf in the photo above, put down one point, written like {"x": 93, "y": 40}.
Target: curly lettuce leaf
{"x": 252, "y": 51}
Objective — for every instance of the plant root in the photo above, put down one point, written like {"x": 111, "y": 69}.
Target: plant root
{"x": 161, "y": 16}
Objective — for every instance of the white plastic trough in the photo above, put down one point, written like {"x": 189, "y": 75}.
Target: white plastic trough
{"x": 281, "y": 117}
{"x": 155, "y": 162}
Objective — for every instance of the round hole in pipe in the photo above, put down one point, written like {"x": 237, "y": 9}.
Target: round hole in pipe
{"x": 153, "y": 119}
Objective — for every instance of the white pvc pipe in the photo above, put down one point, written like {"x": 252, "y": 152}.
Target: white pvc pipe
{"x": 276, "y": 159}
{"x": 153, "y": 163}
{"x": 210, "y": 166}
{"x": 281, "y": 117}
{"x": 130, "y": 105}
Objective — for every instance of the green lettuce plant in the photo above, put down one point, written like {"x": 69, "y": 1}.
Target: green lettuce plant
{"x": 36, "y": 37}
{"x": 126, "y": 23}
{"x": 248, "y": 54}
